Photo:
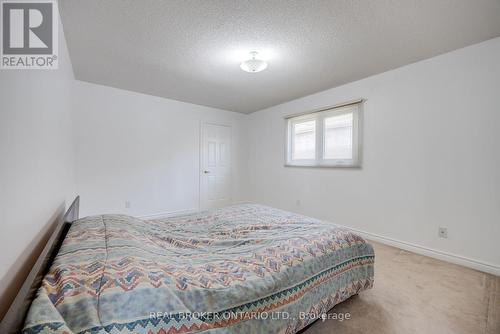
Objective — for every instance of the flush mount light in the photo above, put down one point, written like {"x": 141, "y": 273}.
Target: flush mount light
{"x": 253, "y": 65}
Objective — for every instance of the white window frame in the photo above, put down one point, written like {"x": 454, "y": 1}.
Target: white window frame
{"x": 319, "y": 116}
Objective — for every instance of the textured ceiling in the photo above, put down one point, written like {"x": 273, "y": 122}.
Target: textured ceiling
{"x": 190, "y": 50}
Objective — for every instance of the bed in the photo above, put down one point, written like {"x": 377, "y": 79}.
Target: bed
{"x": 241, "y": 269}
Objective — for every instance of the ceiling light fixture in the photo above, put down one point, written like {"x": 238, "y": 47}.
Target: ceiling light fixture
{"x": 253, "y": 65}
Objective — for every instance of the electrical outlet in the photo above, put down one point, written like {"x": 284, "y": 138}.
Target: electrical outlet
{"x": 297, "y": 202}
{"x": 443, "y": 232}
{"x": 127, "y": 204}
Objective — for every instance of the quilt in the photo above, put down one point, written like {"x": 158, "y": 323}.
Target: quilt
{"x": 241, "y": 269}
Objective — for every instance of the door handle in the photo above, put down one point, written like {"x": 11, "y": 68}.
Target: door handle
{"x": 206, "y": 171}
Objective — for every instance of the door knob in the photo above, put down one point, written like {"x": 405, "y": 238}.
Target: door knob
{"x": 206, "y": 171}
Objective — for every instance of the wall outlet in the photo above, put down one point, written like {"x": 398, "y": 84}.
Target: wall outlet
{"x": 127, "y": 204}
{"x": 443, "y": 232}
{"x": 297, "y": 202}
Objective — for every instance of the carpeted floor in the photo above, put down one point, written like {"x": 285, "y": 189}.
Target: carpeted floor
{"x": 418, "y": 294}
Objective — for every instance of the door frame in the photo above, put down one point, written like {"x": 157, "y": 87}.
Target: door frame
{"x": 200, "y": 169}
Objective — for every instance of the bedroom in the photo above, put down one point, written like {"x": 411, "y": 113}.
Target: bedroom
{"x": 367, "y": 137}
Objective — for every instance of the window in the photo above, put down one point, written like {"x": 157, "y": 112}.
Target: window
{"x": 327, "y": 138}
{"x": 304, "y": 144}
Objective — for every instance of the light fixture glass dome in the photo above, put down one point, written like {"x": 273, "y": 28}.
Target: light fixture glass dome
{"x": 253, "y": 65}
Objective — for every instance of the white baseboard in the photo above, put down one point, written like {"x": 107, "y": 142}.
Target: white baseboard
{"x": 166, "y": 214}
{"x": 440, "y": 255}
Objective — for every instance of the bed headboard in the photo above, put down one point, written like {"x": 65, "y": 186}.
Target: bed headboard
{"x": 13, "y": 320}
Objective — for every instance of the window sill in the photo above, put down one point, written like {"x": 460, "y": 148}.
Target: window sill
{"x": 352, "y": 166}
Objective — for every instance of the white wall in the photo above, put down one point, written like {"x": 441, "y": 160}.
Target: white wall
{"x": 431, "y": 156}
{"x": 36, "y": 162}
{"x": 143, "y": 149}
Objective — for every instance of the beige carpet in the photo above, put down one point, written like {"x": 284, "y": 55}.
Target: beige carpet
{"x": 418, "y": 294}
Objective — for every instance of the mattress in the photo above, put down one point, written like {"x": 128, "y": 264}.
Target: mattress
{"x": 241, "y": 269}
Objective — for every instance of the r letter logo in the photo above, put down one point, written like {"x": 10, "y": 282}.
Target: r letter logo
{"x": 29, "y": 34}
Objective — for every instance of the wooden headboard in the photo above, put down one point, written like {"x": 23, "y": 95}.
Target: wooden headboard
{"x": 13, "y": 320}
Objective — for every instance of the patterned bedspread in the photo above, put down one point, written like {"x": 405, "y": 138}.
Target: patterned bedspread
{"x": 241, "y": 269}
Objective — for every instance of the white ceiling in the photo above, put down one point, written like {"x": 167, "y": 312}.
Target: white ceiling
{"x": 190, "y": 50}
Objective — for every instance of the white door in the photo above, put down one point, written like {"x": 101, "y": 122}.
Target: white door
{"x": 215, "y": 173}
